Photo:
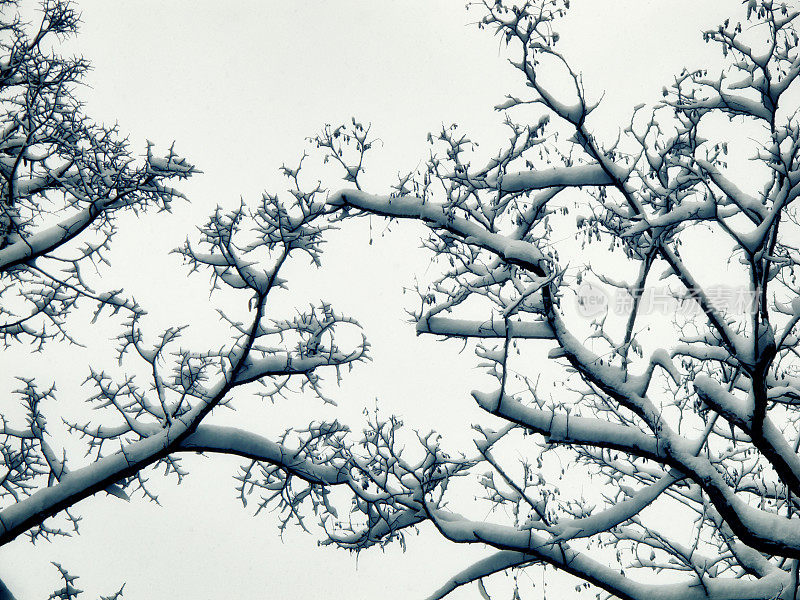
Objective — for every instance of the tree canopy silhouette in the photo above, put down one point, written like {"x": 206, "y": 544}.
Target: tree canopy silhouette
{"x": 632, "y": 300}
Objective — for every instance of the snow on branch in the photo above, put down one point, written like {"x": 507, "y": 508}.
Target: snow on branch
{"x": 621, "y": 350}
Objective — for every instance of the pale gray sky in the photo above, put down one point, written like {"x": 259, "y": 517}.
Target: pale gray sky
{"x": 239, "y": 86}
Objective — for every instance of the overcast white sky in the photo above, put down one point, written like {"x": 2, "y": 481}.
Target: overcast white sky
{"x": 239, "y": 86}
